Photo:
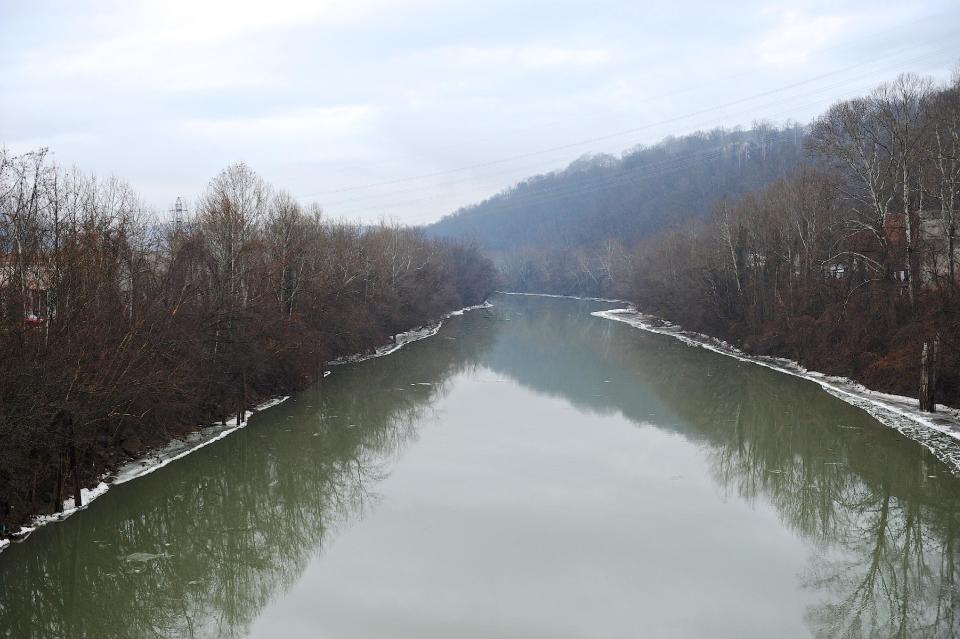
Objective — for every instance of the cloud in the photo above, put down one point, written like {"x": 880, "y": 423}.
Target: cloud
{"x": 528, "y": 57}
{"x": 185, "y": 45}
{"x": 796, "y": 37}
{"x": 80, "y": 139}
{"x": 542, "y": 57}
{"x": 318, "y": 94}
{"x": 297, "y": 124}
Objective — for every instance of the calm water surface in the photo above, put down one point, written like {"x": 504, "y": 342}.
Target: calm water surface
{"x": 531, "y": 471}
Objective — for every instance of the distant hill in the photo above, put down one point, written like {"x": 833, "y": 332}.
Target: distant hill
{"x": 628, "y": 197}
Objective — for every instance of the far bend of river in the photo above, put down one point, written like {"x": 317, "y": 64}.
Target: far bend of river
{"x": 531, "y": 472}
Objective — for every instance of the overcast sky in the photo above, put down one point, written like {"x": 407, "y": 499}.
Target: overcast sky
{"x": 407, "y": 109}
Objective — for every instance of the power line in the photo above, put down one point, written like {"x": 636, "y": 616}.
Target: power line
{"x": 791, "y": 98}
{"x": 518, "y": 204}
{"x": 889, "y": 34}
{"x": 631, "y": 130}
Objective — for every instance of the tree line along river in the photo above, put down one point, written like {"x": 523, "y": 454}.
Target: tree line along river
{"x": 530, "y": 471}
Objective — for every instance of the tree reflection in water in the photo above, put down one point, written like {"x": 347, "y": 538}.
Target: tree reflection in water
{"x": 879, "y": 512}
{"x": 199, "y": 548}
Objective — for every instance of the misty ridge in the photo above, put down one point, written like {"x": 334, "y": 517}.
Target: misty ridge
{"x": 639, "y": 192}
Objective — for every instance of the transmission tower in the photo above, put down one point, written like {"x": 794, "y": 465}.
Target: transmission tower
{"x": 179, "y": 210}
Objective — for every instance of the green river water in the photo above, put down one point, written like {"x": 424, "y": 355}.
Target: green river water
{"x": 530, "y": 471}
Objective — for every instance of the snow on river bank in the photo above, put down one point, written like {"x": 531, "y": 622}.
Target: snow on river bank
{"x": 939, "y": 432}
{"x": 402, "y": 339}
{"x": 209, "y": 434}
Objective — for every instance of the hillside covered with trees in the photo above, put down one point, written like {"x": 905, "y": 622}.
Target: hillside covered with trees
{"x": 599, "y": 206}
{"x": 848, "y": 265}
{"x": 118, "y": 333}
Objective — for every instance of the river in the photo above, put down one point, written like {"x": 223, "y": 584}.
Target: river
{"x": 530, "y": 471}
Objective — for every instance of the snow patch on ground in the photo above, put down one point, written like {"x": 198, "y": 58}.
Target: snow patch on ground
{"x": 207, "y": 435}
{"x": 939, "y": 432}
{"x": 566, "y": 297}
{"x": 182, "y": 447}
{"x": 402, "y": 339}
{"x": 87, "y": 495}
{"x": 151, "y": 462}
{"x": 463, "y": 310}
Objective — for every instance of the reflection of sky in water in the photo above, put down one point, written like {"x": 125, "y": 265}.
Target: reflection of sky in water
{"x": 504, "y": 520}
{"x": 557, "y": 475}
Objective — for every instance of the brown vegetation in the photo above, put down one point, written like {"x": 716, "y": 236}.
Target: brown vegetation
{"x": 118, "y": 333}
{"x": 848, "y": 266}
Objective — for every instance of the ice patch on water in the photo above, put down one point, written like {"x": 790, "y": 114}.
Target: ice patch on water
{"x": 939, "y": 432}
{"x": 144, "y": 557}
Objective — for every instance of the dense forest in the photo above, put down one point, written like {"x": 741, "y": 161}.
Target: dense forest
{"x": 849, "y": 264}
{"x": 118, "y": 333}
{"x": 566, "y": 232}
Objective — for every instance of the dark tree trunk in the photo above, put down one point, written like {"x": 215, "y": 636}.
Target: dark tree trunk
{"x": 242, "y": 399}
{"x": 58, "y": 497}
{"x": 929, "y": 362}
{"x": 951, "y": 261}
{"x": 77, "y": 496}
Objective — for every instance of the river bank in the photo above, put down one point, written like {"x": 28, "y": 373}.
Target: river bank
{"x": 897, "y": 411}
{"x": 938, "y": 431}
{"x": 204, "y": 435}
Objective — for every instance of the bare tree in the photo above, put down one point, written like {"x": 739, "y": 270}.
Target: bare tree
{"x": 900, "y": 107}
